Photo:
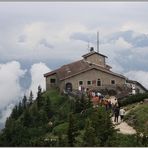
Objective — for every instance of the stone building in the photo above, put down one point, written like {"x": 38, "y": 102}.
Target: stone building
{"x": 90, "y": 72}
{"x": 135, "y": 86}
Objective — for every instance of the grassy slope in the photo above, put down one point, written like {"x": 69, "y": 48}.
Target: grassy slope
{"x": 138, "y": 118}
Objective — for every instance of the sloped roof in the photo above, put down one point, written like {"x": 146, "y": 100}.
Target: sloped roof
{"x": 76, "y": 68}
{"x": 91, "y": 53}
{"x": 137, "y": 83}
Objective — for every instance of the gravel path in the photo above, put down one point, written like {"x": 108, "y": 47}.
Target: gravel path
{"x": 123, "y": 127}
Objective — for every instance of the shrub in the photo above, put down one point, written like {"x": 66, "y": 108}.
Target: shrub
{"x": 133, "y": 99}
{"x": 61, "y": 129}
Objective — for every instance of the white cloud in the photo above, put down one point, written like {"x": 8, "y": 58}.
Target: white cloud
{"x": 5, "y": 113}
{"x": 10, "y": 89}
{"x": 121, "y": 43}
{"x": 114, "y": 50}
{"x": 37, "y": 70}
{"x": 135, "y": 26}
{"x": 140, "y": 76}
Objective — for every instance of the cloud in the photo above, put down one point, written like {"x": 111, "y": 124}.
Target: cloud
{"x": 86, "y": 37}
{"x": 22, "y": 39}
{"x": 10, "y": 89}
{"x": 121, "y": 43}
{"x": 140, "y": 76}
{"x": 4, "y": 114}
{"x": 31, "y": 36}
{"x": 135, "y": 25}
{"x": 37, "y": 70}
{"x": 45, "y": 43}
{"x": 136, "y": 39}
{"x": 124, "y": 52}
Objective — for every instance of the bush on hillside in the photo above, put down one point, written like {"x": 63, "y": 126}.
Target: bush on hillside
{"x": 60, "y": 129}
{"x": 138, "y": 117}
{"x": 133, "y": 99}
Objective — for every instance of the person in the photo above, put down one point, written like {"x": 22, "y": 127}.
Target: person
{"x": 98, "y": 94}
{"x": 116, "y": 113}
{"x": 122, "y": 113}
{"x": 80, "y": 88}
{"x": 109, "y": 105}
{"x": 106, "y": 104}
{"x": 93, "y": 94}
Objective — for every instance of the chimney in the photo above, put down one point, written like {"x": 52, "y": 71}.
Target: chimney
{"x": 91, "y": 49}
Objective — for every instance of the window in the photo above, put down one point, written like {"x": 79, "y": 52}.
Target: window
{"x": 112, "y": 81}
{"x": 88, "y": 82}
{"x": 52, "y": 80}
{"x": 80, "y": 82}
{"x": 99, "y": 82}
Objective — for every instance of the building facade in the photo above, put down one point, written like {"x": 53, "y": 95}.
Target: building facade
{"x": 90, "y": 72}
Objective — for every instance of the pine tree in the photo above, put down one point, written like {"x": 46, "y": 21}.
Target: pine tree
{"x": 27, "y": 118}
{"x": 30, "y": 98}
{"x": 34, "y": 114}
{"x": 24, "y": 102}
{"x": 72, "y": 131}
{"x": 14, "y": 113}
{"x": 20, "y": 108}
{"x": 89, "y": 138}
{"x": 77, "y": 106}
{"x": 102, "y": 124}
{"x": 47, "y": 107}
{"x": 42, "y": 117}
{"x": 39, "y": 97}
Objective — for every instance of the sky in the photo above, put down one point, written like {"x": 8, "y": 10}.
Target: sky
{"x": 37, "y": 37}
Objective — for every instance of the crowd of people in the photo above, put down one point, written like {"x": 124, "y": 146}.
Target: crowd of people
{"x": 110, "y": 105}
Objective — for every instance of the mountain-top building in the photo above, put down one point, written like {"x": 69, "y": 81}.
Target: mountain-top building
{"x": 91, "y": 72}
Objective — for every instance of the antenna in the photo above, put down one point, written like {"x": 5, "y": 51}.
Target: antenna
{"x": 98, "y": 42}
{"x": 88, "y": 46}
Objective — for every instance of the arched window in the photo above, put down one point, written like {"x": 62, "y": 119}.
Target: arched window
{"x": 68, "y": 87}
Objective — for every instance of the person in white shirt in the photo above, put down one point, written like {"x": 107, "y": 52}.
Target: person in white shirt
{"x": 122, "y": 113}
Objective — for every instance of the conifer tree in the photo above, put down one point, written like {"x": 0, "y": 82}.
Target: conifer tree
{"x": 24, "y": 102}
{"x": 20, "y": 108}
{"x": 89, "y": 138}
{"x": 14, "y": 113}
{"x": 42, "y": 117}
{"x": 30, "y": 98}
{"x": 102, "y": 124}
{"x": 39, "y": 97}
{"x": 27, "y": 118}
{"x": 72, "y": 131}
{"x": 77, "y": 106}
{"x": 47, "y": 107}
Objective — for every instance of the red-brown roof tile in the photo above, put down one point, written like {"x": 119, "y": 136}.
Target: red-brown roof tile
{"x": 76, "y": 68}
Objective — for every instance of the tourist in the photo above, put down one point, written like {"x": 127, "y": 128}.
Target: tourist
{"x": 93, "y": 94}
{"x": 106, "y": 104}
{"x": 122, "y": 113}
{"x": 109, "y": 105}
{"x": 116, "y": 113}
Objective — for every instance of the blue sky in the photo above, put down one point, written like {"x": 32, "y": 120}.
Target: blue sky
{"x": 36, "y": 37}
